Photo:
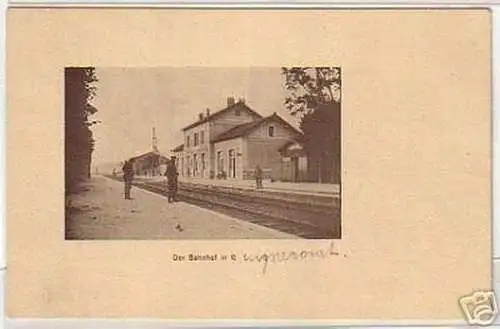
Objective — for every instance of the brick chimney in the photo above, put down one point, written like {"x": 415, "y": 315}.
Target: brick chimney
{"x": 200, "y": 116}
{"x": 241, "y": 100}
{"x": 208, "y": 113}
{"x": 230, "y": 101}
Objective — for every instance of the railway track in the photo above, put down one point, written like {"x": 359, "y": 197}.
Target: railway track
{"x": 309, "y": 217}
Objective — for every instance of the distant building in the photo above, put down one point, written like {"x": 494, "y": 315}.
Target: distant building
{"x": 150, "y": 164}
{"x": 231, "y": 142}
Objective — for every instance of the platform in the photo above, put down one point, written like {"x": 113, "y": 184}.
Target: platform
{"x": 101, "y": 212}
{"x": 289, "y": 187}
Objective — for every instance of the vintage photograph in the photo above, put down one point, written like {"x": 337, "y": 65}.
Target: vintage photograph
{"x": 202, "y": 153}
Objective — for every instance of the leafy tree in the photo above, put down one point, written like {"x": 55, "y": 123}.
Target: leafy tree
{"x": 314, "y": 95}
{"x": 79, "y": 142}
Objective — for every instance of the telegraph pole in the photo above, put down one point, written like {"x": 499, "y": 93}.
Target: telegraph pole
{"x": 155, "y": 141}
{"x": 156, "y": 161}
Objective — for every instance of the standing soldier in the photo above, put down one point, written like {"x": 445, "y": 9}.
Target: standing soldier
{"x": 128, "y": 176}
{"x": 258, "y": 177}
{"x": 172, "y": 176}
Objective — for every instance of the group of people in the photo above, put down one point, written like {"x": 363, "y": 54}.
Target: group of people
{"x": 171, "y": 173}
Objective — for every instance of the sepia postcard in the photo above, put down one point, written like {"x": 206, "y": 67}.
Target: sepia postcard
{"x": 265, "y": 168}
{"x": 249, "y": 164}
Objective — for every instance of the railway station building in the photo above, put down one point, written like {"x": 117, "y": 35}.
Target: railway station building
{"x": 230, "y": 143}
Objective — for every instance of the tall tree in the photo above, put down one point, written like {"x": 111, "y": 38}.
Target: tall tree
{"x": 79, "y": 143}
{"x": 314, "y": 95}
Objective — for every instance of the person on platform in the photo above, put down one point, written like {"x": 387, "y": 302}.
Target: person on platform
{"x": 172, "y": 180}
{"x": 258, "y": 177}
{"x": 128, "y": 177}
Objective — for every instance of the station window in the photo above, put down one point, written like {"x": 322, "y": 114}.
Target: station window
{"x": 271, "y": 131}
{"x": 220, "y": 161}
{"x": 232, "y": 164}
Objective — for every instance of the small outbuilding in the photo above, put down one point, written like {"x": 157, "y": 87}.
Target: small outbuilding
{"x": 293, "y": 162}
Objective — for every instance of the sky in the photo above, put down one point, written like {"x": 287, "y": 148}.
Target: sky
{"x": 131, "y": 101}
